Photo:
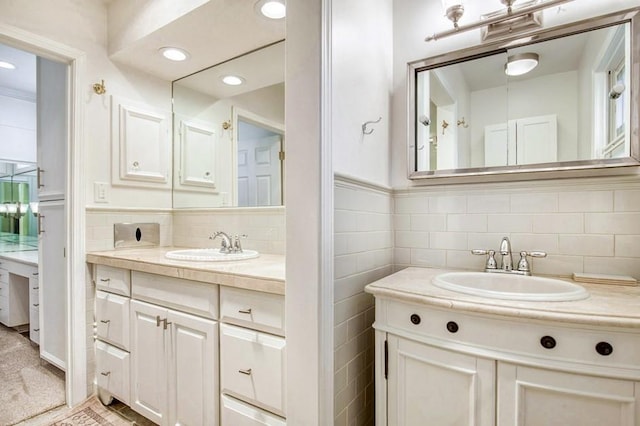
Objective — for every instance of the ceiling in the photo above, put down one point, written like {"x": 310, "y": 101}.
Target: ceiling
{"x": 23, "y": 78}
{"x": 213, "y": 33}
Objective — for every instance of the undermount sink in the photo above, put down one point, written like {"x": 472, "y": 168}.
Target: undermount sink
{"x": 510, "y": 286}
{"x": 210, "y": 255}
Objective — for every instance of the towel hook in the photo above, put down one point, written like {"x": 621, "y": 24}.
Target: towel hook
{"x": 366, "y": 123}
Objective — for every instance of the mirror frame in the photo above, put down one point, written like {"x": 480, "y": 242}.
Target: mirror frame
{"x": 563, "y": 169}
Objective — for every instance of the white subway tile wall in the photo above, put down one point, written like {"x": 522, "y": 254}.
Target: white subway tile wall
{"x": 264, "y": 228}
{"x": 363, "y": 250}
{"x": 584, "y": 226}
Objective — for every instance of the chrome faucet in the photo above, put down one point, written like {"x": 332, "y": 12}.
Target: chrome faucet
{"x": 523, "y": 268}
{"x": 226, "y": 244}
{"x": 505, "y": 251}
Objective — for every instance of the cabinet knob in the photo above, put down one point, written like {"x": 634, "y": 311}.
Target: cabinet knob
{"x": 604, "y": 348}
{"x": 415, "y": 319}
{"x": 548, "y": 342}
{"x": 246, "y": 372}
{"x": 452, "y": 327}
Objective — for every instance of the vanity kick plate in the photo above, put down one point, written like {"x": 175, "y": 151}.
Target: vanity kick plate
{"x": 136, "y": 235}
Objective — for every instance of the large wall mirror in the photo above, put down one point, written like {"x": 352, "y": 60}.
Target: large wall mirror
{"x": 229, "y": 133}
{"x": 18, "y": 206}
{"x": 561, "y": 99}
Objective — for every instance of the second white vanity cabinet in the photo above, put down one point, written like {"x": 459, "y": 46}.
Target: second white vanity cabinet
{"x": 446, "y": 359}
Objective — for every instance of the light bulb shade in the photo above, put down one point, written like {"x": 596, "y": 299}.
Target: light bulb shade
{"x": 12, "y": 208}
{"x": 174, "y": 53}
{"x": 453, "y": 9}
{"x": 34, "y": 207}
{"x": 521, "y": 63}
{"x": 272, "y": 9}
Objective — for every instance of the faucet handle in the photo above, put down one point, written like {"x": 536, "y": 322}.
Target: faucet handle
{"x": 491, "y": 260}
{"x": 237, "y": 247}
{"x": 523, "y": 264}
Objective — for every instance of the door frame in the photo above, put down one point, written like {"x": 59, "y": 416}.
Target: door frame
{"x": 75, "y": 267}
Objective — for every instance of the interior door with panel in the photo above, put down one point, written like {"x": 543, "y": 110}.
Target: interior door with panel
{"x": 432, "y": 386}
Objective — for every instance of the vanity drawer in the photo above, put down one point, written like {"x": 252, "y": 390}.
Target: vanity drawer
{"x": 4, "y": 310}
{"x": 112, "y": 370}
{"x": 185, "y": 295}
{"x": 252, "y": 367}
{"x": 253, "y": 309}
{"x": 113, "y": 280}
{"x": 4, "y": 276}
{"x": 237, "y": 413}
{"x": 4, "y": 289}
{"x": 34, "y": 325}
{"x": 112, "y": 318}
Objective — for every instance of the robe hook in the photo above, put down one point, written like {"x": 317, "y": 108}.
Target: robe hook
{"x": 366, "y": 131}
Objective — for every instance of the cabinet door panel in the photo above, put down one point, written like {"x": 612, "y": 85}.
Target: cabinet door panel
{"x": 431, "y": 386}
{"x": 148, "y": 362}
{"x": 537, "y": 397}
{"x": 194, "y": 373}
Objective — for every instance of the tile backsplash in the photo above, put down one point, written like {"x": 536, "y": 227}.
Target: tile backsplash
{"x": 591, "y": 225}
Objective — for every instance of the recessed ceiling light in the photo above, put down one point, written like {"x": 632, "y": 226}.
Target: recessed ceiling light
{"x": 272, "y": 9}
{"x": 521, "y": 63}
{"x": 232, "y": 80}
{"x": 7, "y": 65}
{"x": 174, "y": 53}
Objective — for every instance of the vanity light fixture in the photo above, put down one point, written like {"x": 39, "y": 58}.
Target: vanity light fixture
{"x": 174, "y": 53}
{"x": 500, "y": 23}
{"x": 232, "y": 80}
{"x": 7, "y": 65}
{"x": 272, "y": 9}
{"x": 521, "y": 63}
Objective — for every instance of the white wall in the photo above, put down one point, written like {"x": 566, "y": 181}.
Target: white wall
{"x": 17, "y": 128}
{"x": 361, "y": 78}
{"x": 83, "y": 25}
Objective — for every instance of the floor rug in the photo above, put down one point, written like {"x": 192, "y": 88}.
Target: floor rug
{"x": 90, "y": 413}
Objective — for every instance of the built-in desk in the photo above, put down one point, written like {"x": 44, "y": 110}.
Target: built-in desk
{"x": 19, "y": 290}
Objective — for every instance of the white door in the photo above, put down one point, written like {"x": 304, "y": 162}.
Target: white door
{"x": 496, "y": 146}
{"x": 53, "y": 283}
{"x": 259, "y": 182}
{"x": 537, "y": 139}
{"x": 530, "y": 396}
{"x": 52, "y": 128}
{"x": 148, "y": 361}
{"x": 447, "y": 139}
{"x": 432, "y": 386}
{"x": 193, "y": 359}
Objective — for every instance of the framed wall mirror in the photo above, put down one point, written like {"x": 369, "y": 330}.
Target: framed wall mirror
{"x": 561, "y": 99}
{"x": 228, "y": 133}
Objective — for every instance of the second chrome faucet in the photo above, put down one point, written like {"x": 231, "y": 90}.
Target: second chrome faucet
{"x": 228, "y": 245}
{"x": 506, "y": 265}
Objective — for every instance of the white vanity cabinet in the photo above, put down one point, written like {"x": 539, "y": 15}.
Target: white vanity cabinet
{"x": 447, "y": 366}
{"x": 252, "y": 361}
{"x": 174, "y": 354}
{"x": 34, "y": 307}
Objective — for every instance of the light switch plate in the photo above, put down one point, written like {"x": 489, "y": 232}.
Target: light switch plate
{"x": 136, "y": 235}
{"x": 100, "y": 192}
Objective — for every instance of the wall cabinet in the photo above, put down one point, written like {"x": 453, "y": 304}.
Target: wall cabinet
{"x": 439, "y": 366}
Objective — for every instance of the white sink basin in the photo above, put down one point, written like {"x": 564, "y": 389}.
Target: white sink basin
{"x": 510, "y": 286}
{"x": 210, "y": 255}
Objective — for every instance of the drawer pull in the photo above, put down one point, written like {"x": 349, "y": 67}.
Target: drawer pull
{"x": 415, "y": 319}
{"x": 36, "y": 305}
{"x": 105, "y": 280}
{"x": 35, "y": 274}
{"x": 105, "y": 321}
{"x": 36, "y": 329}
{"x": 604, "y": 348}
{"x": 35, "y": 288}
{"x": 158, "y": 320}
{"x": 166, "y": 323}
{"x": 106, "y": 374}
{"x": 452, "y": 327}
{"x": 245, "y": 372}
{"x": 245, "y": 311}
{"x": 548, "y": 342}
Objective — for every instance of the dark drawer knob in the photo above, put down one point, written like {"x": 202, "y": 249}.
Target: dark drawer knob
{"x": 548, "y": 342}
{"x": 415, "y": 319}
{"x": 604, "y": 348}
{"x": 452, "y": 327}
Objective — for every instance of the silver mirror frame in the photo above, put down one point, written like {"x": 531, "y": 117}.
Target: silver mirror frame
{"x": 566, "y": 169}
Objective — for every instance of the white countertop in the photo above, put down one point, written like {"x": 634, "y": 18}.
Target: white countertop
{"x": 29, "y": 257}
{"x": 265, "y": 273}
{"x": 607, "y": 305}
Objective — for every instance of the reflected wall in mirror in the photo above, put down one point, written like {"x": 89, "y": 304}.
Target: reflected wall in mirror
{"x": 570, "y": 106}
{"x": 228, "y": 139}
{"x": 18, "y": 207}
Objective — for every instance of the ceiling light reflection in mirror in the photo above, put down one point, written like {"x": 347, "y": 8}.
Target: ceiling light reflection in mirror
{"x": 566, "y": 102}
{"x": 212, "y": 167}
